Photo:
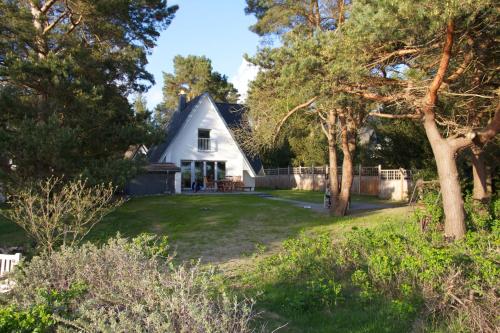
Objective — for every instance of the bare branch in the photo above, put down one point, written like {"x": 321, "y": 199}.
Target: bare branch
{"x": 467, "y": 95}
{"x": 47, "y": 6}
{"x": 368, "y": 95}
{"x": 54, "y": 23}
{"x": 467, "y": 60}
{"x": 395, "y": 116}
{"x": 292, "y": 111}
{"x": 397, "y": 53}
{"x": 491, "y": 129}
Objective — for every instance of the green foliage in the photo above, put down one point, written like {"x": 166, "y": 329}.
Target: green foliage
{"x": 397, "y": 144}
{"x": 40, "y": 317}
{"x": 430, "y": 213}
{"x": 65, "y": 82}
{"x": 408, "y": 273}
{"x": 35, "y": 319}
{"x": 481, "y": 216}
{"x": 194, "y": 75}
{"x": 125, "y": 286}
{"x": 151, "y": 245}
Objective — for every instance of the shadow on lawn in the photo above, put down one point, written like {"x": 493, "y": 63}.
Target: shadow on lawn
{"x": 291, "y": 306}
{"x": 215, "y": 228}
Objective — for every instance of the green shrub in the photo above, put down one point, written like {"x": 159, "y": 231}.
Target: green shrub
{"x": 35, "y": 319}
{"x": 430, "y": 211}
{"x": 127, "y": 286}
{"x": 451, "y": 285}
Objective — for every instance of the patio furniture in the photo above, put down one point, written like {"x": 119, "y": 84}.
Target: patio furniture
{"x": 239, "y": 185}
{"x": 210, "y": 186}
{"x": 225, "y": 185}
{"x": 7, "y": 263}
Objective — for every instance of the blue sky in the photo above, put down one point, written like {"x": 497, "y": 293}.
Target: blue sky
{"x": 217, "y": 29}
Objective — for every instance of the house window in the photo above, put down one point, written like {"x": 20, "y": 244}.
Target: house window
{"x": 210, "y": 171}
{"x": 198, "y": 172}
{"x": 204, "y": 142}
{"x": 221, "y": 170}
{"x": 186, "y": 174}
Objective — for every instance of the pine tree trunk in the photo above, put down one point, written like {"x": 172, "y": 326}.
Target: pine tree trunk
{"x": 444, "y": 154}
{"x": 331, "y": 128}
{"x": 333, "y": 173}
{"x": 348, "y": 148}
{"x": 480, "y": 191}
{"x": 345, "y": 189}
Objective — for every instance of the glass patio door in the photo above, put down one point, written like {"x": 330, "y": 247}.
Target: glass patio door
{"x": 198, "y": 173}
{"x": 186, "y": 174}
{"x": 210, "y": 171}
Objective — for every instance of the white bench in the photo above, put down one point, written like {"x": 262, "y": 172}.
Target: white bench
{"x": 7, "y": 263}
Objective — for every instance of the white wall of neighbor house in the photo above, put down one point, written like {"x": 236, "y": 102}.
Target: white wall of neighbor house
{"x": 184, "y": 146}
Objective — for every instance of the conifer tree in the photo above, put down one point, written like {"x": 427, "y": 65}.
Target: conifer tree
{"x": 66, "y": 70}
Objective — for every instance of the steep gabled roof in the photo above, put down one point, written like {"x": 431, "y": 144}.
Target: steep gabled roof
{"x": 232, "y": 114}
{"x": 173, "y": 127}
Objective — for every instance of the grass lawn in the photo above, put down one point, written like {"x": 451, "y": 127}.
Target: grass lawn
{"x": 234, "y": 232}
{"x": 318, "y": 196}
{"x": 217, "y": 228}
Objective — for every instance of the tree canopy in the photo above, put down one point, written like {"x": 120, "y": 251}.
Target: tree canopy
{"x": 433, "y": 62}
{"x": 66, "y": 70}
{"x": 195, "y": 75}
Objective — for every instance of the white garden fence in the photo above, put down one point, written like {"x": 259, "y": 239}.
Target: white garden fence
{"x": 7, "y": 263}
{"x": 391, "y": 184}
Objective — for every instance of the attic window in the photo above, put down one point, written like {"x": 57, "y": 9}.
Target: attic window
{"x": 203, "y": 134}
{"x": 204, "y": 141}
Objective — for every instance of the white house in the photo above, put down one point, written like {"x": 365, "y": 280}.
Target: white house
{"x": 200, "y": 141}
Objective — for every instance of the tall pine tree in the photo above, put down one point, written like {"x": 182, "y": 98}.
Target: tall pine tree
{"x": 66, "y": 70}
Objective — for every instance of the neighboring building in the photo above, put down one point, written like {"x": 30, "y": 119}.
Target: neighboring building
{"x": 200, "y": 141}
{"x": 135, "y": 151}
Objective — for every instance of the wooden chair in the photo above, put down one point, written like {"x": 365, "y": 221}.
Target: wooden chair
{"x": 7, "y": 263}
{"x": 239, "y": 185}
{"x": 209, "y": 185}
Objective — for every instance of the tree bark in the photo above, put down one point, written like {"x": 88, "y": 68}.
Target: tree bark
{"x": 444, "y": 154}
{"x": 332, "y": 158}
{"x": 480, "y": 191}
{"x": 40, "y": 41}
{"x": 348, "y": 147}
{"x": 444, "y": 150}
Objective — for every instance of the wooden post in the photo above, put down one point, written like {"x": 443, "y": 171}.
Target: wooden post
{"x": 401, "y": 174}
{"x": 289, "y": 180}
{"x": 312, "y": 173}
{"x": 326, "y": 177}
{"x": 379, "y": 179}
{"x": 359, "y": 178}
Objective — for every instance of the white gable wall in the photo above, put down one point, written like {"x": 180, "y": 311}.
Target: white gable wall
{"x": 184, "y": 147}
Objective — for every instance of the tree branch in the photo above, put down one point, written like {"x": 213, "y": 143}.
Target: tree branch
{"x": 463, "y": 66}
{"x": 397, "y": 53}
{"x": 368, "y": 95}
{"x": 395, "y": 116}
{"x": 291, "y": 112}
{"x": 491, "y": 129}
{"x": 47, "y": 6}
{"x": 54, "y": 23}
{"x": 432, "y": 93}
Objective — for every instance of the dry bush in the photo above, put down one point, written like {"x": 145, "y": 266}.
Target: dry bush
{"x": 127, "y": 289}
{"x": 55, "y": 213}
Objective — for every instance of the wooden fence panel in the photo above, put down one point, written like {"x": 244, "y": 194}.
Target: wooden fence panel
{"x": 391, "y": 184}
